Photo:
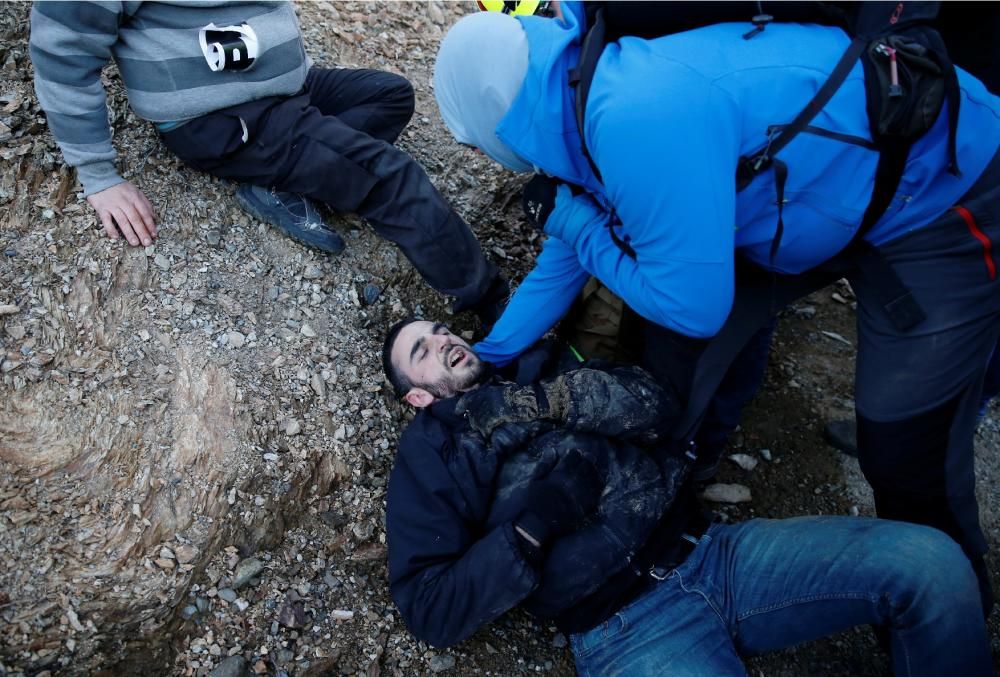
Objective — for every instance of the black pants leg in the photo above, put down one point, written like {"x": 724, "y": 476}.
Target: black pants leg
{"x": 294, "y": 145}
{"x": 918, "y": 392}
{"x": 377, "y": 103}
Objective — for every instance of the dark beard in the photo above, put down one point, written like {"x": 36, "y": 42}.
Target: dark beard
{"x": 451, "y": 386}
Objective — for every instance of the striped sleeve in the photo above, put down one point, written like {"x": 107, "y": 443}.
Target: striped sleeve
{"x": 70, "y": 43}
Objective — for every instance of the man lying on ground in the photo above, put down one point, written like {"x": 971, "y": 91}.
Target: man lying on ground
{"x": 558, "y": 491}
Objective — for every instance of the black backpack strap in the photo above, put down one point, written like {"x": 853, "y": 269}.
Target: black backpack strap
{"x": 899, "y": 303}
{"x": 581, "y": 77}
{"x": 780, "y": 177}
{"x": 758, "y": 294}
{"x": 840, "y": 72}
{"x": 623, "y": 244}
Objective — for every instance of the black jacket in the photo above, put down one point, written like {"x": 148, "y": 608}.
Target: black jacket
{"x": 455, "y": 562}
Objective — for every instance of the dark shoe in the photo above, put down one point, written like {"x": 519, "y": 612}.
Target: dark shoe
{"x": 293, "y": 214}
{"x": 843, "y": 435}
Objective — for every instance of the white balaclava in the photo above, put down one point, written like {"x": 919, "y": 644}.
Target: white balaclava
{"x": 479, "y": 71}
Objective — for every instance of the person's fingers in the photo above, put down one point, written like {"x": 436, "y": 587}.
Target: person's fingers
{"x": 136, "y": 221}
{"x": 125, "y": 226}
{"x": 109, "y": 224}
{"x": 145, "y": 209}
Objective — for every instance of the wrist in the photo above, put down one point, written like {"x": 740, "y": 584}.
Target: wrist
{"x": 98, "y": 176}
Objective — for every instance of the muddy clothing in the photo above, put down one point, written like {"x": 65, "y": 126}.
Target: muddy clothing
{"x": 713, "y": 594}
{"x": 455, "y": 560}
{"x": 326, "y": 134}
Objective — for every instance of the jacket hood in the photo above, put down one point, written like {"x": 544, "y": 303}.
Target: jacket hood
{"x": 540, "y": 125}
{"x": 478, "y": 73}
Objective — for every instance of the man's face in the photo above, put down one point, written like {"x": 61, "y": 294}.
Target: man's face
{"x": 437, "y": 363}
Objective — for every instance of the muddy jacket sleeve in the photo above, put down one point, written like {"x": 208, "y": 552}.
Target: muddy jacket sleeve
{"x": 622, "y": 402}
{"x": 447, "y": 577}
{"x": 70, "y": 43}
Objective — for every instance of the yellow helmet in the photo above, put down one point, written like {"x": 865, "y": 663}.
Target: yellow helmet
{"x": 515, "y": 7}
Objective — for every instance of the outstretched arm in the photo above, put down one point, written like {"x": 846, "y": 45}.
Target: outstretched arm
{"x": 70, "y": 43}
{"x": 539, "y": 302}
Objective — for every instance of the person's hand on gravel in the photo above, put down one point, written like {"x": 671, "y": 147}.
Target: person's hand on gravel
{"x": 123, "y": 207}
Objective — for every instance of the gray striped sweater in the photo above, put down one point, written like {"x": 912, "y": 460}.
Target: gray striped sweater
{"x": 155, "y": 45}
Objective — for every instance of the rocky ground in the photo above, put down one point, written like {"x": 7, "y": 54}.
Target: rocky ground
{"x": 195, "y": 438}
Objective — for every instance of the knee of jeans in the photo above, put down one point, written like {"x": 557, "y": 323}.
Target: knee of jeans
{"x": 935, "y": 575}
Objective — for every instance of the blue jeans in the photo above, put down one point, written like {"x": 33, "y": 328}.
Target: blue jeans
{"x": 764, "y": 585}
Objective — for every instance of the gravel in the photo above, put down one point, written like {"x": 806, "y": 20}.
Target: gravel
{"x": 195, "y": 437}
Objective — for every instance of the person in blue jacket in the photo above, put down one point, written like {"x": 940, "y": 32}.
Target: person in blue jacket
{"x": 553, "y": 491}
{"x": 666, "y": 121}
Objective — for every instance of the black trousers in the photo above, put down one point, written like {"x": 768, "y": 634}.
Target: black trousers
{"x": 333, "y": 143}
{"x": 918, "y": 392}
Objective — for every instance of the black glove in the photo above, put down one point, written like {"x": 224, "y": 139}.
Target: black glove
{"x": 539, "y": 199}
{"x": 557, "y": 504}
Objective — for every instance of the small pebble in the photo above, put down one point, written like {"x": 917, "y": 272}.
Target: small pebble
{"x": 186, "y": 553}
{"x": 233, "y": 666}
{"x": 245, "y": 571}
{"x": 727, "y": 493}
{"x": 744, "y": 461}
{"x": 442, "y": 663}
{"x": 228, "y": 594}
{"x": 371, "y": 293}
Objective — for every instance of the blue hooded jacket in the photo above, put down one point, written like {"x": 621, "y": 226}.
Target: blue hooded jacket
{"x": 666, "y": 121}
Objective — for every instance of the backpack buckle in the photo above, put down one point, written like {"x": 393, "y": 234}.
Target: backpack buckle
{"x": 760, "y": 22}
{"x": 659, "y": 573}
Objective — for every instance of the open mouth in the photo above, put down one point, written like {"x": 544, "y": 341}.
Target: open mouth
{"x": 455, "y": 357}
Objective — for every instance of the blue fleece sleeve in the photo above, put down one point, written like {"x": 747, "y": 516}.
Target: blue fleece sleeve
{"x": 542, "y": 299}
{"x": 668, "y": 158}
